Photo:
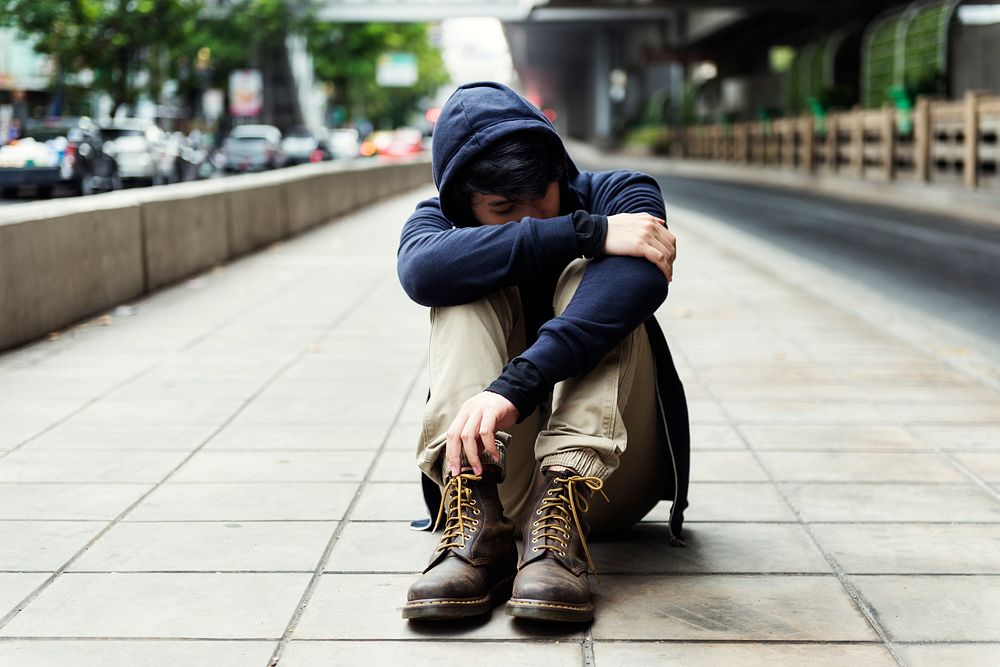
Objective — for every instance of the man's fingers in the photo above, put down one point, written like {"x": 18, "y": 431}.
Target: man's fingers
{"x": 453, "y": 449}
{"x": 470, "y": 442}
{"x": 659, "y": 257}
{"x": 486, "y": 430}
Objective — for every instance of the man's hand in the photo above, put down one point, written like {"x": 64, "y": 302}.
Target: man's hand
{"x": 642, "y": 235}
{"x": 480, "y": 417}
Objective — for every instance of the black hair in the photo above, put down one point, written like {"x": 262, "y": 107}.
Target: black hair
{"x": 520, "y": 166}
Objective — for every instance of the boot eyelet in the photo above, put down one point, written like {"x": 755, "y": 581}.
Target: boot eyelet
{"x": 476, "y": 512}
{"x": 539, "y": 512}
{"x": 535, "y": 549}
{"x": 473, "y": 529}
{"x": 533, "y": 541}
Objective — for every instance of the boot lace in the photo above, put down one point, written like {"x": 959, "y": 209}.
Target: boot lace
{"x": 559, "y": 511}
{"x": 460, "y": 521}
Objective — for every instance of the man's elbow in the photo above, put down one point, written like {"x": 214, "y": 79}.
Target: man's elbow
{"x": 416, "y": 281}
{"x": 654, "y": 285}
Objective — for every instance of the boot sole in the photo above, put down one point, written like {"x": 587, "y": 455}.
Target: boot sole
{"x": 444, "y": 609}
{"x": 543, "y": 610}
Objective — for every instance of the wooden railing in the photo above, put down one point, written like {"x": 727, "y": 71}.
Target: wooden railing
{"x": 947, "y": 142}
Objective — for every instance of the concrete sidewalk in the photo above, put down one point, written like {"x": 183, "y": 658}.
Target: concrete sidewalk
{"x": 223, "y": 475}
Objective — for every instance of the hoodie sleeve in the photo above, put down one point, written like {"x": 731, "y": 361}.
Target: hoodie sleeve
{"x": 615, "y": 296}
{"x": 440, "y": 265}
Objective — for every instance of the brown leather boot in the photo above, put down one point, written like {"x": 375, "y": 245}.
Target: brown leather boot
{"x": 473, "y": 566}
{"x": 552, "y": 583}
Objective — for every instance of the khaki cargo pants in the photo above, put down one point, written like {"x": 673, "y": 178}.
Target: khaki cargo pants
{"x": 604, "y": 422}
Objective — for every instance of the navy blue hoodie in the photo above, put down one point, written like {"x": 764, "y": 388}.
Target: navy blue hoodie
{"x": 446, "y": 258}
{"x": 443, "y": 264}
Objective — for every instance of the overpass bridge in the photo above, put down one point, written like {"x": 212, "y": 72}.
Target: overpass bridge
{"x": 597, "y": 62}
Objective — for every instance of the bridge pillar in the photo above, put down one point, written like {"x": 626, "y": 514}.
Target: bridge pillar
{"x": 601, "y": 130}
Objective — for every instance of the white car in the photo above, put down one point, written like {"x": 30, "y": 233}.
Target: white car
{"x": 253, "y": 148}
{"x": 139, "y": 147}
{"x": 344, "y": 143}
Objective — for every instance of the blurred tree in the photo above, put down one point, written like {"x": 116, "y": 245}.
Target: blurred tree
{"x": 121, "y": 41}
{"x": 346, "y": 55}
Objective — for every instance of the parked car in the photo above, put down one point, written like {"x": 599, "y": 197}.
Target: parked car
{"x": 344, "y": 143}
{"x": 141, "y": 150}
{"x": 253, "y": 148}
{"x": 303, "y": 144}
{"x": 55, "y": 151}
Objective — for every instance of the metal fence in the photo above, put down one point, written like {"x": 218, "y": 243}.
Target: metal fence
{"x": 954, "y": 143}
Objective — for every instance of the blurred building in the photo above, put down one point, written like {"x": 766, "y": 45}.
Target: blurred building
{"x": 25, "y": 80}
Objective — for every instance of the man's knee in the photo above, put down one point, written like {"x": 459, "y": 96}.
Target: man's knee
{"x": 569, "y": 280}
{"x": 501, "y": 308}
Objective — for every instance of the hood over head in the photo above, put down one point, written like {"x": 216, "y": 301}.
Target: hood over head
{"x": 475, "y": 116}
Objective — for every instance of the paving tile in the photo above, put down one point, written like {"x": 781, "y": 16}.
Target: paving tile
{"x": 428, "y": 653}
{"x": 84, "y": 467}
{"x": 43, "y": 545}
{"x": 162, "y": 605}
{"x": 655, "y": 654}
{"x": 893, "y": 502}
{"x": 170, "y": 411}
{"x": 972, "y": 437}
{"x": 396, "y": 466}
{"x": 859, "y": 467}
{"x": 781, "y": 391}
{"x": 920, "y": 376}
{"x": 711, "y": 547}
{"x": 729, "y": 502}
{"x": 16, "y": 586}
{"x": 913, "y": 548}
{"x": 285, "y": 466}
{"x": 702, "y": 411}
{"x": 16, "y": 434}
{"x": 281, "y": 437}
{"x": 726, "y": 466}
{"x": 926, "y": 394}
{"x": 367, "y": 606}
{"x": 840, "y": 437}
{"x": 948, "y": 413}
{"x": 67, "y": 501}
{"x": 344, "y": 410}
{"x": 390, "y": 502}
{"x": 388, "y": 546}
{"x": 935, "y": 655}
{"x": 403, "y": 438}
{"x": 703, "y": 607}
{"x": 125, "y": 437}
{"x": 246, "y": 502}
{"x": 715, "y": 436}
{"x": 928, "y": 608}
{"x": 208, "y": 547}
{"x": 804, "y": 412}
{"x": 158, "y": 653}
{"x": 984, "y": 464}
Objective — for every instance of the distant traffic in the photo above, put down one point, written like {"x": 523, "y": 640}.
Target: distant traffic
{"x": 77, "y": 156}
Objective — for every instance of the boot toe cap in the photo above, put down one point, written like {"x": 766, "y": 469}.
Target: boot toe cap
{"x": 548, "y": 580}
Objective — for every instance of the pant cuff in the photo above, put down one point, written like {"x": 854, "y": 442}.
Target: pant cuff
{"x": 500, "y": 467}
{"x": 585, "y": 462}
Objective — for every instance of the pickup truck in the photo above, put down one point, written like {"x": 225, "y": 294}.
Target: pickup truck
{"x": 57, "y": 151}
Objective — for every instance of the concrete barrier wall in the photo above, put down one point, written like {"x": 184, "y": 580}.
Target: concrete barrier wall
{"x": 66, "y": 260}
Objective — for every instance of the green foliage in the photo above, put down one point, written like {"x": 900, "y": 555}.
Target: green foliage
{"x": 113, "y": 38}
{"x": 119, "y": 39}
{"x": 346, "y": 54}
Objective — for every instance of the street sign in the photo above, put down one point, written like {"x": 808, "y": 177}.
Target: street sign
{"x": 396, "y": 70}
{"x": 245, "y": 89}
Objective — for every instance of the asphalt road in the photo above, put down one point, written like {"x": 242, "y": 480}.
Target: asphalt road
{"x": 945, "y": 267}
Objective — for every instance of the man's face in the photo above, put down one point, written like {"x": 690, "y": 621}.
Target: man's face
{"x": 499, "y": 209}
